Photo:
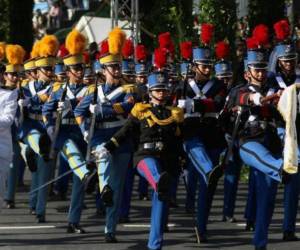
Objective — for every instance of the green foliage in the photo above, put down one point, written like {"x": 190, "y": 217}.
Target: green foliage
{"x": 4, "y": 23}
{"x": 159, "y": 16}
{"x": 223, "y": 15}
{"x": 265, "y": 11}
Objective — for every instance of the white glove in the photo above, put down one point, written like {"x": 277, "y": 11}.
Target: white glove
{"x": 23, "y": 102}
{"x": 62, "y": 106}
{"x": 94, "y": 108}
{"x": 101, "y": 152}
{"x": 256, "y": 99}
{"x": 186, "y": 104}
{"x": 86, "y": 136}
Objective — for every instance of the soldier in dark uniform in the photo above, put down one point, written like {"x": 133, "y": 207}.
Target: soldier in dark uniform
{"x": 259, "y": 145}
{"x": 156, "y": 128}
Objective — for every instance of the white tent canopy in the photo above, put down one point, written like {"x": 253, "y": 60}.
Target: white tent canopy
{"x": 96, "y": 29}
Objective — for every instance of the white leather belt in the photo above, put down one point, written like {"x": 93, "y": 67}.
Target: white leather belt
{"x": 110, "y": 124}
{"x": 188, "y": 115}
{"x": 68, "y": 121}
{"x": 36, "y": 117}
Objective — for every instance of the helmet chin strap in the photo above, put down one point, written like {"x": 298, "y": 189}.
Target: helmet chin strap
{"x": 49, "y": 79}
{"x": 255, "y": 78}
{"x": 152, "y": 96}
{"x": 202, "y": 73}
{"x": 111, "y": 74}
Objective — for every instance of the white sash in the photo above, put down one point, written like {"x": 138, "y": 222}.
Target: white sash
{"x": 33, "y": 91}
{"x": 114, "y": 94}
{"x": 282, "y": 84}
{"x": 196, "y": 89}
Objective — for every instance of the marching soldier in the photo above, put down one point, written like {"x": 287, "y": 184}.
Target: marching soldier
{"x": 64, "y": 97}
{"x": 285, "y": 62}
{"x": 157, "y": 129}
{"x": 8, "y": 102}
{"x": 33, "y": 132}
{"x": 205, "y": 97}
{"x": 109, "y": 105}
{"x": 259, "y": 145}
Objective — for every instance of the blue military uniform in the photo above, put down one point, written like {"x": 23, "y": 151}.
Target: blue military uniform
{"x": 260, "y": 148}
{"x": 280, "y": 81}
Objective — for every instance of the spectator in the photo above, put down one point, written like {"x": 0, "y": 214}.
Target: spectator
{"x": 39, "y": 23}
{"x": 55, "y": 15}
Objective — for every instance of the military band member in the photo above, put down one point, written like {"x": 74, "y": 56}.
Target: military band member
{"x": 156, "y": 128}
{"x": 8, "y": 101}
{"x": 114, "y": 101}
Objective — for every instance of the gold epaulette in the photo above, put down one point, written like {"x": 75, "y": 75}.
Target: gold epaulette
{"x": 129, "y": 88}
{"x": 56, "y": 86}
{"x": 91, "y": 89}
{"x": 140, "y": 110}
{"x": 25, "y": 82}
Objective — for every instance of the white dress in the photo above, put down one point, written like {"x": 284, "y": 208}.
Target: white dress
{"x": 8, "y": 107}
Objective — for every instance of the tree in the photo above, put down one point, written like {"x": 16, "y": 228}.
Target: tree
{"x": 265, "y": 11}
{"x": 222, "y": 14}
{"x": 20, "y": 23}
{"x": 4, "y": 23}
{"x": 159, "y": 16}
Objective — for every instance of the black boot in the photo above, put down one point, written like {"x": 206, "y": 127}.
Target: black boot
{"x": 250, "y": 226}
{"x": 110, "y": 238}
{"x": 10, "y": 204}
{"x": 75, "y": 228}
{"x": 41, "y": 218}
{"x": 289, "y": 236}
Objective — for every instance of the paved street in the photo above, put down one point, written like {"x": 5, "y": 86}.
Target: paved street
{"x": 18, "y": 229}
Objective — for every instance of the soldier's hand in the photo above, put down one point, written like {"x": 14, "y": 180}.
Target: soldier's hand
{"x": 61, "y": 106}
{"x": 185, "y": 104}
{"x": 101, "y": 152}
{"x": 94, "y": 108}
{"x": 86, "y": 136}
{"x": 256, "y": 98}
{"x": 23, "y": 102}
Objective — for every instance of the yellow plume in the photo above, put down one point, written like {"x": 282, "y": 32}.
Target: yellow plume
{"x": 116, "y": 40}
{"x": 75, "y": 42}
{"x": 15, "y": 54}
{"x": 36, "y": 49}
{"x": 2, "y": 50}
{"x": 49, "y": 46}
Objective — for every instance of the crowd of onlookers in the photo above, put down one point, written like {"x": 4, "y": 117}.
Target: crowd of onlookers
{"x": 54, "y": 14}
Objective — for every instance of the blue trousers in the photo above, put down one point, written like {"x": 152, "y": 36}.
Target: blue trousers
{"x": 38, "y": 200}
{"x": 62, "y": 184}
{"x": 266, "y": 179}
{"x": 291, "y": 197}
{"x": 112, "y": 172}
{"x": 231, "y": 180}
{"x": 150, "y": 169}
{"x": 201, "y": 162}
{"x": 250, "y": 211}
{"x": 14, "y": 171}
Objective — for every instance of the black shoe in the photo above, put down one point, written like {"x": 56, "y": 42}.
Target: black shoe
{"x": 32, "y": 211}
{"x": 203, "y": 238}
{"x": 124, "y": 220}
{"x": 290, "y": 236}
{"x": 75, "y": 228}
{"x": 107, "y": 196}
{"x": 41, "y": 218}
{"x": 163, "y": 186}
{"x": 10, "y": 205}
{"x": 261, "y": 248}
{"x": 229, "y": 219}
{"x": 110, "y": 238}
{"x": 89, "y": 181}
{"x": 250, "y": 226}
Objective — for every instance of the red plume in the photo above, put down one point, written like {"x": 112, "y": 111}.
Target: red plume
{"x": 207, "y": 31}
{"x": 186, "y": 50}
{"x": 160, "y": 58}
{"x": 141, "y": 53}
{"x": 251, "y": 43}
{"x": 261, "y": 34}
{"x": 282, "y": 30}
{"x": 164, "y": 40}
{"x": 86, "y": 57}
{"x": 128, "y": 49}
{"x": 62, "y": 52}
{"x": 222, "y": 50}
{"x": 104, "y": 48}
